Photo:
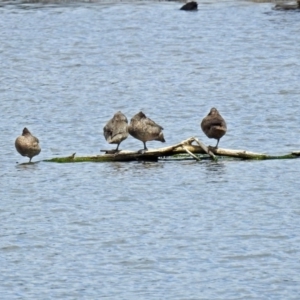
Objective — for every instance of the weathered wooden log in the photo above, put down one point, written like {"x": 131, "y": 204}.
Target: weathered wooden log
{"x": 185, "y": 149}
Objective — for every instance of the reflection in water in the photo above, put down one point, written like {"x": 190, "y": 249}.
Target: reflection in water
{"x": 122, "y": 168}
{"x": 40, "y": 4}
{"x": 215, "y": 171}
{"x": 27, "y": 165}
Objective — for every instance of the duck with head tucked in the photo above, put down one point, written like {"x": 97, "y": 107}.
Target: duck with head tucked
{"x": 27, "y": 144}
{"x": 144, "y": 129}
{"x": 214, "y": 126}
{"x": 116, "y": 129}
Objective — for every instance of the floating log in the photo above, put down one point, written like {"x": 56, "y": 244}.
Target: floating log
{"x": 182, "y": 150}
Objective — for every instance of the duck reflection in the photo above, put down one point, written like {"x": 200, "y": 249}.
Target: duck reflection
{"x": 215, "y": 171}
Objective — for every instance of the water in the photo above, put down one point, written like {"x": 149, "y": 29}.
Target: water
{"x": 166, "y": 230}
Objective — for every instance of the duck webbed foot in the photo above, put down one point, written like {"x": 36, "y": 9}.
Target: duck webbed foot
{"x": 112, "y": 151}
{"x": 143, "y": 151}
{"x": 212, "y": 147}
{"x": 215, "y": 147}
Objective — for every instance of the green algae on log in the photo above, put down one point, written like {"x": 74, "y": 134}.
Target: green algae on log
{"x": 181, "y": 151}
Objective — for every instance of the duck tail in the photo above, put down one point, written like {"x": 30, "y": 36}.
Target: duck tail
{"x": 161, "y": 138}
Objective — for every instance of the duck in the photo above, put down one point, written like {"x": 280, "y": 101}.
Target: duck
{"x": 287, "y": 6}
{"x": 145, "y": 130}
{"x": 27, "y": 144}
{"x": 116, "y": 129}
{"x": 193, "y": 5}
{"x": 214, "y": 126}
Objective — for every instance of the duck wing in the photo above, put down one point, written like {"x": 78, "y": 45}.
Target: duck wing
{"x": 149, "y": 122}
{"x": 217, "y": 122}
{"x": 114, "y": 128}
{"x": 108, "y": 129}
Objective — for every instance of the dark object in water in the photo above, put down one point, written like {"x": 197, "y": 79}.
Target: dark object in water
{"x": 116, "y": 129}
{"x": 213, "y": 125}
{"x": 27, "y": 144}
{"x": 287, "y": 6}
{"x": 144, "y": 129}
{"x": 193, "y": 5}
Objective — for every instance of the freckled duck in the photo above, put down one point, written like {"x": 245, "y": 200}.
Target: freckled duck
{"x": 27, "y": 144}
{"x": 213, "y": 125}
{"x": 116, "y": 129}
{"x": 144, "y": 129}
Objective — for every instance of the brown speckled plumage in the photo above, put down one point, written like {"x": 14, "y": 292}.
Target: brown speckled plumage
{"x": 116, "y": 129}
{"x": 213, "y": 125}
{"x": 27, "y": 144}
{"x": 144, "y": 129}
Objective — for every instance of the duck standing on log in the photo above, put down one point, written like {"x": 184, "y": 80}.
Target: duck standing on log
{"x": 193, "y": 5}
{"x": 27, "y": 144}
{"x": 116, "y": 129}
{"x": 144, "y": 129}
{"x": 213, "y": 125}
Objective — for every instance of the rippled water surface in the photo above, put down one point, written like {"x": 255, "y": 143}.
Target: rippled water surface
{"x": 165, "y": 230}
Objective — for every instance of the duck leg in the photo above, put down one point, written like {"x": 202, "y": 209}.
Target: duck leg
{"x": 117, "y": 149}
{"x": 145, "y": 148}
{"x": 217, "y": 144}
{"x": 142, "y": 151}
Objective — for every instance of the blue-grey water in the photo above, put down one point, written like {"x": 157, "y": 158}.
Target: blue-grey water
{"x": 165, "y": 230}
